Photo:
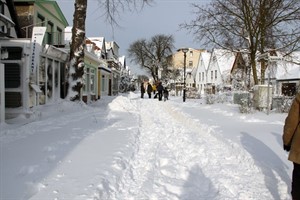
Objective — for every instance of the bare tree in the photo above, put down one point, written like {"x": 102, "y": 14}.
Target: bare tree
{"x": 111, "y": 9}
{"x": 249, "y": 26}
{"x": 153, "y": 54}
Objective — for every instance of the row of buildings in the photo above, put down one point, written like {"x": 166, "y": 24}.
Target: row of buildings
{"x": 34, "y": 41}
{"x": 219, "y": 70}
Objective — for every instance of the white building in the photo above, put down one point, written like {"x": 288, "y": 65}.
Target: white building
{"x": 201, "y": 71}
{"x": 218, "y": 72}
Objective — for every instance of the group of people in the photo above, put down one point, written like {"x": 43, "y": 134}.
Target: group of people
{"x": 158, "y": 90}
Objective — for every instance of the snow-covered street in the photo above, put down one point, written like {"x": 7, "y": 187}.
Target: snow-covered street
{"x": 126, "y": 147}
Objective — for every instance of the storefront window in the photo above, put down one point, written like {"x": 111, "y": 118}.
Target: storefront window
{"x": 92, "y": 81}
{"x": 49, "y": 78}
{"x": 103, "y": 81}
{"x": 42, "y": 78}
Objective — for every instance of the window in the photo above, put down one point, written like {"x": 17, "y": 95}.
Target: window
{"x": 14, "y": 53}
{"x": 50, "y": 33}
{"x": 216, "y": 74}
{"x": 49, "y": 77}
{"x": 12, "y": 75}
{"x": 59, "y": 36}
{"x": 190, "y": 63}
{"x": 40, "y": 21}
{"x": 211, "y": 75}
{"x": 56, "y": 64}
{"x": 103, "y": 81}
{"x": 202, "y": 76}
{"x": 86, "y": 79}
{"x": 191, "y": 53}
{"x": 288, "y": 89}
{"x": 92, "y": 81}
{"x": 2, "y": 12}
{"x": 2, "y": 7}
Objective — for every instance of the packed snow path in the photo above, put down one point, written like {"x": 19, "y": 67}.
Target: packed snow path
{"x": 138, "y": 149}
{"x": 175, "y": 157}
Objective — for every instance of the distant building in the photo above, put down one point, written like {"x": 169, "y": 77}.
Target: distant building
{"x": 192, "y": 59}
{"x": 219, "y": 68}
{"x": 201, "y": 71}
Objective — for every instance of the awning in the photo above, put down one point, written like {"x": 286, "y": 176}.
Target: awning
{"x": 36, "y": 88}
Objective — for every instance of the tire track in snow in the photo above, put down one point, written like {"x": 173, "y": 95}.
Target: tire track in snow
{"x": 175, "y": 157}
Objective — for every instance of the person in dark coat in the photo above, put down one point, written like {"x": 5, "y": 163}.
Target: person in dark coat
{"x": 291, "y": 143}
{"x": 149, "y": 90}
{"x": 166, "y": 94}
{"x": 142, "y": 90}
{"x": 160, "y": 89}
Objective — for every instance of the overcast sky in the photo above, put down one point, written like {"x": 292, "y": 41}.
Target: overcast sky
{"x": 162, "y": 17}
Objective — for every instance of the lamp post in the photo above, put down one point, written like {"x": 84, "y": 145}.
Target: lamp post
{"x": 184, "y": 50}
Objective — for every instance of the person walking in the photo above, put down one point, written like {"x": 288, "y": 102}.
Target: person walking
{"x": 291, "y": 143}
{"x": 149, "y": 90}
{"x": 166, "y": 94}
{"x": 160, "y": 89}
{"x": 154, "y": 88}
{"x": 142, "y": 90}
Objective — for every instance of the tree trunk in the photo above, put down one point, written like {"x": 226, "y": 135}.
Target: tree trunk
{"x": 254, "y": 71}
{"x": 77, "y": 49}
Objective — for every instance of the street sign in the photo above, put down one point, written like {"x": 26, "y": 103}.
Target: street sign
{"x": 275, "y": 58}
{"x": 263, "y": 56}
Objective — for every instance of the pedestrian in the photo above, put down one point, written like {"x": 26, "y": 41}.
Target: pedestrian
{"x": 149, "y": 90}
{"x": 142, "y": 90}
{"x": 154, "y": 88}
{"x": 160, "y": 89}
{"x": 291, "y": 143}
{"x": 166, "y": 94}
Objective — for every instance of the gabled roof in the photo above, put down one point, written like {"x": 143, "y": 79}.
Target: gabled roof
{"x": 205, "y": 56}
{"x": 224, "y": 59}
{"x": 99, "y": 42}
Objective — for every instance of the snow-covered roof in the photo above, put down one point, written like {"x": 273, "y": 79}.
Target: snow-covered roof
{"x": 122, "y": 60}
{"x": 99, "y": 41}
{"x": 286, "y": 69}
{"x": 225, "y": 59}
{"x": 290, "y": 74}
{"x": 205, "y": 58}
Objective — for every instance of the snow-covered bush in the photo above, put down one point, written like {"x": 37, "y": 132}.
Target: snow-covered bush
{"x": 221, "y": 98}
{"x": 210, "y": 99}
{"x": 245, "y": 106}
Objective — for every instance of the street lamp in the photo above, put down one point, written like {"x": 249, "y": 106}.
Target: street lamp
{"x": 184, "y": 50}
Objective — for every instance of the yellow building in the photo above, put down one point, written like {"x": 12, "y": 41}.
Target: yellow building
{"x": 192, "y": 58}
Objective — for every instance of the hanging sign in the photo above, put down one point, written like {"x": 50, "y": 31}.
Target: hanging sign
{"x": 38, "y": 34}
